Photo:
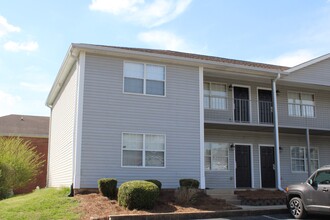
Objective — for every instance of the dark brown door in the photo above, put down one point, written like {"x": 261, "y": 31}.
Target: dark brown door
{"x": 243, "y": 166}
{"x": 267, "y": 167}
{"x": 241, "y": 104}
{"x": 265, "y": 106}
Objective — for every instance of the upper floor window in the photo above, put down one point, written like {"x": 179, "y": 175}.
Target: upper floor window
{"x": 143, "y": 150}
{"x": 215, "y": 96}
{"x": 216, "y": 156}
{"x": 299, "y": 159}
{"x": 143, "y": 78}
{"x": 301, "y": 104}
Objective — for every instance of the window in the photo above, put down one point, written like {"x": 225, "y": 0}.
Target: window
{"x": 143, "y": 150}
{"x": 323, "y": 177}
{"x": 215, "y": 96}
{"x": 142, "y": 78}
{"x": 299, "y": 159}
{"x": 216, "y": 156}
{"x": 301, "y": 104}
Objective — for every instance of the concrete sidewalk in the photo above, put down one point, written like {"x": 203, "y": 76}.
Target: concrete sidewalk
{"x": 244, "y": 211}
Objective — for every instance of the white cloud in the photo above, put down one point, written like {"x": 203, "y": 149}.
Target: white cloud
{"x": 149, "y": 14}
{"x": 6, "y": 28}
{"x": 8, "y": 103}
{"x": 21, "y": 46}
{"x": 292, "y": 59}
{"x": 163, "y": 40}
{"x": 36, "y": 87}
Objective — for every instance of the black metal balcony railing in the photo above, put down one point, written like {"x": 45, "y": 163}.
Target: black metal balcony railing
{"x": 242, "y": 110}
{"x": 226, "y": 110}
{"x": 265, "y": 112}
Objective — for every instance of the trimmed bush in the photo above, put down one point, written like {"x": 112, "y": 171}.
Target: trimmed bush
{"x": 189, "y": 183}
{"x": 138, "y": 194}
{"x": 108, "y": 187}
{"x": 156, "y": 182}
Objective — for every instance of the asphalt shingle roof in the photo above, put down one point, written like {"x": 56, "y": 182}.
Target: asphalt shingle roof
{"x": 202, "y": 57}
{"x": 24, "y": 125}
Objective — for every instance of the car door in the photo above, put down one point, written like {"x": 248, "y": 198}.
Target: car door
{"x": 321, "y": 192}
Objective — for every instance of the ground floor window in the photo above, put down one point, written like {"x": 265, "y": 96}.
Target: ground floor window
{"x": 143, "y": 150}
{"x": 299, "y": 159}
{"x": 216, "y": 156}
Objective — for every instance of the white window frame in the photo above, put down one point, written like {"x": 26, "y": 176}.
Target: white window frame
{"x": 305, "y": 158}
{"x": 211, "y": 156}
{"x": 210, "y": 96}
{"x": 318, "y": 158}
{"x": 300, "y": 105}
{"x": 144, "y": 78}
{"x": 143, "y": 150}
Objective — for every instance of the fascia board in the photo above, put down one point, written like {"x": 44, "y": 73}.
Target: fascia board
{"x": 67, "y": 63}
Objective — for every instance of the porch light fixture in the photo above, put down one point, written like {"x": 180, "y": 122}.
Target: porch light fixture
{"x": 278, "y": 92}
{"x": 230, "y": 86}
{"x": 232, "y": 146}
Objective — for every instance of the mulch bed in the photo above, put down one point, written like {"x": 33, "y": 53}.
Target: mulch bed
{"x": 261, "y": 197}
{"x": 95, "y": 205}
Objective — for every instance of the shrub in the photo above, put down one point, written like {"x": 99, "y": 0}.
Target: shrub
{"x": 108, "y": 187}
{"x": 6, "y": 174}
{"x": 189, "y": 183}
{"x": 156, "y": 182}
{"x": 138, "y": 194}
{"x": 186, "y": 196}
{"x": 20, "y": 162}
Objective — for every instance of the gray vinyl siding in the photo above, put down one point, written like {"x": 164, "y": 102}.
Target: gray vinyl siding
{"x": 226, "y": 179}
{"x": 62, "y": 135}
{"x": 108, "y": 112}
{"x": 317, "y": 73}
{"x": 322, "y": 105}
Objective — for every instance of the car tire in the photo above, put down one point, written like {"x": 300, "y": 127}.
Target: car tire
{"x": 297, "y": 209}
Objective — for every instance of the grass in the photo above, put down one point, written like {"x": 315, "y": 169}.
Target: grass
{"x": 42, "y": 204}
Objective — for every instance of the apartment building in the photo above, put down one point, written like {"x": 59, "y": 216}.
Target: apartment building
{"x": 132, "y": 113}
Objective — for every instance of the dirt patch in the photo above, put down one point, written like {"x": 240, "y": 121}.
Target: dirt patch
{"x": 96, "y": 205}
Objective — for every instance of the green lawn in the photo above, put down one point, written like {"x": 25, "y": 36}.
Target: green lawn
{"x": 41, "y": 204}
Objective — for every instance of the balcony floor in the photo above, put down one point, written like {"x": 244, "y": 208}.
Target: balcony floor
{"x": 264, "y": 128}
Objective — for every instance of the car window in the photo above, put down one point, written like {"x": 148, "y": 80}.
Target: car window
{"x": 323, "y": 177}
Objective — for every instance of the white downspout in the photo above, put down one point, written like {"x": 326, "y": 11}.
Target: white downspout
{"x": 201, "y": 126}
{"x": 276, "y": 135}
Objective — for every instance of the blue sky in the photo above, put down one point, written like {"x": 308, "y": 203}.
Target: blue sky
{"x": 35, "y": 35}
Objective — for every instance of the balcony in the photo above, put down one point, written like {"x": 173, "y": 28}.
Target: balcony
{"x": 219, "y": 110}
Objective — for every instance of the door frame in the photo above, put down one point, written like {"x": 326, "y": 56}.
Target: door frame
{"x": 251, "y": 163}
{"x": 261, "y": 88}
{"x": 233, "y": 101}
{"x": 259, "y": 146}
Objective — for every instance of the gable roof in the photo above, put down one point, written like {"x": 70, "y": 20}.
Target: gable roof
{"x": 24, "y": 126}
{"x": 308, "y": 63}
